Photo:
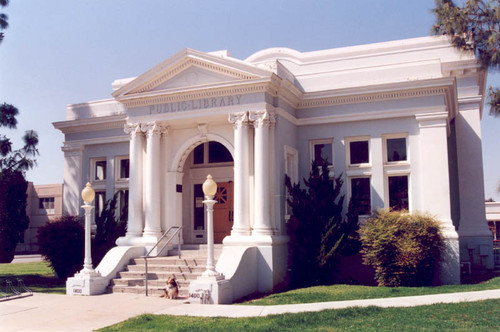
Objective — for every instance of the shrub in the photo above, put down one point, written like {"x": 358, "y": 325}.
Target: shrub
{"x": 13, "y": 218}
{"x": 404, "y": 249}
{"x": 62, "y": 244}
{"x": 317, "y": 231}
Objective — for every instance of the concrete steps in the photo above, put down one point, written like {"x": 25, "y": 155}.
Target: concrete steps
{"x": 185, "y": 269}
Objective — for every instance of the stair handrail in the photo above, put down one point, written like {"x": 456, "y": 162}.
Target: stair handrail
{"x": 177, "y": 232}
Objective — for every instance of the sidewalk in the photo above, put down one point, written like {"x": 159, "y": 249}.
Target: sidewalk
{"x": 48, "y": 312}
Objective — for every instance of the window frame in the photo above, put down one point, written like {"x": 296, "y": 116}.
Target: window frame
{"x": 407, "y": 174}
{"x": 350, "y": 191}
{"x": 386, "y": 137}
{"x": 314, "y": 142}
{"x": 118, "y": 167}
{"x": 93, "y": 166}
{"x": 352, "y": 139}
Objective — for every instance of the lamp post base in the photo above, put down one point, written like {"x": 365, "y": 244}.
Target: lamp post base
{"x": 86, "y": 282}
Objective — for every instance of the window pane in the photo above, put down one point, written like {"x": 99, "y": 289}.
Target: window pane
{"x": 359, "y": 152}
{"x": 323, "y": 152}
{"x": 123, "y": 202}
{"x": 396, "y": 149}
{"x": 124, "y": 168}
{"x": 100, "y": 170}
{"x": 46, "y": 203}
{"x": 398, "y": 192}
{"x": 100, "y": 200}
{"x": 217, "y": 153}
{"x": 361, "y": 195}
{"x": 199, "y": 215}
{"x": 198, "y": 153}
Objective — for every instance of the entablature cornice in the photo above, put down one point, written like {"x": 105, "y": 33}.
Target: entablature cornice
{"x": 91, "y": 124}
{"x": 265, "y": 85}
{"x": 366, "y": 94}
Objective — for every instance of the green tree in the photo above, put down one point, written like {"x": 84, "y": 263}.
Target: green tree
{"x": 318, "y": 233}
{"x": 13, "y": 165}
{"x": 13, "y": 218}
{"x": 3, "y": 19}
{"x": 473, "y": 27}
{"x": 109, "y": 227}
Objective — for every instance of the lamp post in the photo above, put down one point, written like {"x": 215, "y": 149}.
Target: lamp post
{"x": 209, "y": 189}
{"x": 88, "y": 195}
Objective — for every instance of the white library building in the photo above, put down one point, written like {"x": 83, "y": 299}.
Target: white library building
{"x": 399, "y": 120}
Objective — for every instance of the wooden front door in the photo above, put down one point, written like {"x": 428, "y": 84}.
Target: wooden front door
{"x": 223, "y": 211}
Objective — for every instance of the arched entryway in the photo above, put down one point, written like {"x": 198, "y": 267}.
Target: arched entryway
{"x": 213, "y": 158}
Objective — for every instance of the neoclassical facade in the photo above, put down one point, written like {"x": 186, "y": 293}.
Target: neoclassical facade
{"x": 399, "y": 120}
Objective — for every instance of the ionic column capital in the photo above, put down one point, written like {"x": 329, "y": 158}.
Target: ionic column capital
{"x": 154, "y": 129}
{"x": 238, "y": 119}
{"x": 132, "y": 129}
{"x": 262, "y": 118}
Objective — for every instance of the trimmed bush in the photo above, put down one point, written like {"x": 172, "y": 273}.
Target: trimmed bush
{"x": 62, "y": 245}
{"x": 404, "y": 249}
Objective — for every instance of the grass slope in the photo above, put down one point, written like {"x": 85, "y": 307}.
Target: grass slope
{"x": 474, "y": 316}
{"x": 37, "y": 276}
{"x": 353, "y": 292}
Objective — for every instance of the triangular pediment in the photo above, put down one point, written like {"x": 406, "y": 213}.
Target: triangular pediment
{"x": 190, "y": 69}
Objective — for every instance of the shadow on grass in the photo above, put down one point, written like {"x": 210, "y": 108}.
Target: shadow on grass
{"x": 36, "y": 283}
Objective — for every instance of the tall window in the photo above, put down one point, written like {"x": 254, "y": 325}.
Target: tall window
{"x": 98, "y": 169}
{"x": 360, "y": 195}
{"x": 124, "y": 168}
{"x": 398, "y": 192}
{"x": 100, "y": 200}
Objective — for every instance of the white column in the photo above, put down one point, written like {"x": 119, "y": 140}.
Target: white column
{"x": 475, "y": 236}
{"x": 135, "y": 212}
{"x": 241, "y": 225}
{"x": 153, "y": 179}
{"x": 261, "y": 121}
{"x": 435, "y": 187}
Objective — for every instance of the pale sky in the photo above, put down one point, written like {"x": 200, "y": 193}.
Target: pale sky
{"x": 61, "y": 52}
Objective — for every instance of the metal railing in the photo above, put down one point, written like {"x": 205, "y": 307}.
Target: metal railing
{"x": 13, "y": 292}
{"x": 176, "y": 230}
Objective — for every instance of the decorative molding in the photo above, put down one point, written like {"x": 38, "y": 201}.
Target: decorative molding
{"x": 432, "y": 120}
{"x": 202, "y": 130}
{"x": 373, "y": 97}
{"x": 164, "y": 97}
{"x": 91, "y": 124}
{"x": 188, "y": 62}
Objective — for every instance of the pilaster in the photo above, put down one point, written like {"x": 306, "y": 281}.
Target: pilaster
{"x": 435, "y": 192}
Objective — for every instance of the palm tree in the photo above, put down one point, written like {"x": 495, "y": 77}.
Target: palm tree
{"x": 3, "y": 18}
{"x": 21, "y": 159}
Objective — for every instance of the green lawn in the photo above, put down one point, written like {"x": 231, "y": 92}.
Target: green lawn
{"x": 352, "y": 292}
{"x": 37, "y": 276}
{"x": 474, "y": 316}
